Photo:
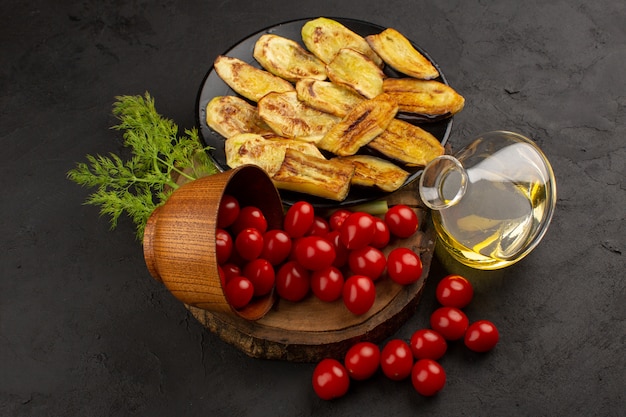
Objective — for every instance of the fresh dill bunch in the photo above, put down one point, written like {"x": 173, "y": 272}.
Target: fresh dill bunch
{"x": 159, "y": 157}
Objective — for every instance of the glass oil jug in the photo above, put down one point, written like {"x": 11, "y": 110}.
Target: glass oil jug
{"x": 492, "y": 201}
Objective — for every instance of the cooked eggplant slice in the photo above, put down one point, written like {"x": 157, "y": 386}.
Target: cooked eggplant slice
{"x": 398, "y": 52}
{"x": 371, "y": 171}
{"x": 229, "y": 115}
{"x": 352, "y": 69}
{"x": 287, "y": 59}
{"x": 291, "y": 118}
{"x": 248, "y": 81}
{"x": 365, "y": 121}
{"x": 325, "y": 37}
{"x": 407, "y": 143}
{"x": 427, "y": 97}
{"x": 327, "y": 96}
{"x": 308, "y": 174}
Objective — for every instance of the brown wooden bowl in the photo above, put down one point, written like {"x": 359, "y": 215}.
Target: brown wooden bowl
{"x": 179, "y": 240}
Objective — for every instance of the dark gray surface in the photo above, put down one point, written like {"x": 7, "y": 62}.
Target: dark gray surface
{"x": 85, "y": 331}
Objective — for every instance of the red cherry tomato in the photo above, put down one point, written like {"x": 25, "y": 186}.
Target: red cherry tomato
{"x": 367, "y": 261}
{"x": 337, "y": 217}
{"x": 228, "y": 211}
{"x": 381, "y": 234}
{"x": 357, "y": 230}
{"x": 261, "y": 273}
{"x": 293, "y": 281}
{"x": 314, "y": 252}
{"x": 276, "y": 246}
{"x": 250, "y": 217}
{"x": 450, "y": 322}
{"x": 396, "y": 360}
{"x": 359, "y": 294}
{"x": 239, "y": 291}
{"x": 454, "y": 291}
{"x": 223, "y": 246}
{"x": 428, "y": 344}
{"x": 481, "y": 336}
{"x": 401, "y": 220}
{"x": 330, "y": 379}
{"x": 319, "y": 227}
{"x": 249, "y": 243}
{"x": 341, "y": 252}
{"x": 327, "y": 284}
{"x": 404, "y": 266}
{"x": 428, "y": 377}
{"x": 299, "y": 219}
{"x": 362, "y": 360}
{"x": 230, "y": 271}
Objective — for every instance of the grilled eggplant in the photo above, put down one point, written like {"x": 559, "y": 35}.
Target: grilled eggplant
{"x": 308, "y": 174}
{"x": 352, "y": 69}
{"x": 398, "y": 52}
{"x": 248, "y": 148}
{"x": 287, "y": 59}
{"x": 427, "y": 97}
{"x": 229, "y": 115}
{"x": 325, "y": 37}
{"x": 327, "y": 96}
{"x": 248, "y": 81}
{"x": 291, "y": 118}
{"x": 371, "y": 171}
{"x": 407, "y": 143}
{"x": 365, "y": 121}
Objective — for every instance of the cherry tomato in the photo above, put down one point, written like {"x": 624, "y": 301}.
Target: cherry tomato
{"x": 428, "y": 377}
{"x": 362, "y": 360}
{"x": 239, "y": 291}
{"x": 341, "y": 252}
{"x": 330, "y": 379}
{"x": 401, "y": 220}
{"x": 337, "y": 217}
{"x": 396, "y": 360}
{"x": 292, "y": 281}
{"x": 223, "y": 246}
{"x": 367, "y": 261}
{"x": 481, "y": 336}
{"x": 319, "y": 227}
{"x": 299, "y": 219}
{"x": 381, "y": 234}
{"x": 357, "y": 230}
{"x": 428, "y": 344}
{"x": 228, "y": 211}
{"x": 454, "y": 291}
{"x": 261, "y": 273}
{"x": 359, "y": 294}
{"x": 250, "y": 217}
{"x": 276, "y": 246}
{"x": 230, "y": 271}
{"x": 327, "y": 284}
{"x": 450, "y": 322}
{"x": 404, "y": 266}
{"x": 249, "y": 243}
{"x": 314, "y": 252}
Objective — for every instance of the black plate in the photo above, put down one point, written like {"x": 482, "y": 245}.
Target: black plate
{"x": 213, "y": 86}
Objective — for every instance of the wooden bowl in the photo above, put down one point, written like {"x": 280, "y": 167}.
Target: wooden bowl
{"x": 179, "y": 240}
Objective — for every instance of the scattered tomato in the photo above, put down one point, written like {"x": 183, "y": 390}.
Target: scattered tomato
{"x": 396, "y": 360}
{"x": 299, "y": 219}
{"x": 401, "y": 220}
{"x": 337, "y": 218}
{"x": 341, "y": 252}
{"x": 450, "y": 322}
{"x": 362, "y": 360}
{"x": 292, "y": 281}
{"x": 357, "y": 230}
{"x": 481, "y": 336}
{"x": 249, "y": 243}
{"x": 359, "y": 294}
{"x": 330, "y": 379}
{"x": 381, "y": 234}
{"x": 276, "y": 246}
{"x": 404, "y": 266}
{"x": 428, "y": 344}
{"x": 314, "y": 252}
{"x": 367, "y": 261}
{"x": 230, "y": 270}
{"x": 454, "y": 291}
{"x": 319, "y": 227}
{"x": 428, "y": 377}
{"x": 327, "y": 283}
{"x": 261, "y": 273}
{"x": 239, "y": 291}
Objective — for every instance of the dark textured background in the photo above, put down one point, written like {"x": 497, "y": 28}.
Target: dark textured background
{"x": 85, "y": 331}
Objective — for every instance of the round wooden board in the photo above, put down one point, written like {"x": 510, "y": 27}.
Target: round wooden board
{"x": 311, "y": 330}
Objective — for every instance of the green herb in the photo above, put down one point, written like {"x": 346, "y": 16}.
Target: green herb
{"x": 158, "y": 157}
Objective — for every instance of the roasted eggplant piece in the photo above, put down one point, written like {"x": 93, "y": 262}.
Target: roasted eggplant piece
{"x": 324, "y": 37}
{"x": 427, "y": 97}
{"x": 327, "y": 96}
{"x": 354, "y": 70}
{"x": 407, "y": 143}
{"x": 248, "y": 81}
{"x": 371, "y": 171}
{"x": 398, "y": 52}
{"x": 365, "y": 121}
{"x": 308, "y": 174}
{"x": 287, "y": 59}
{"x": 291, "y": 118}
{"x": 229, "y": 115}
